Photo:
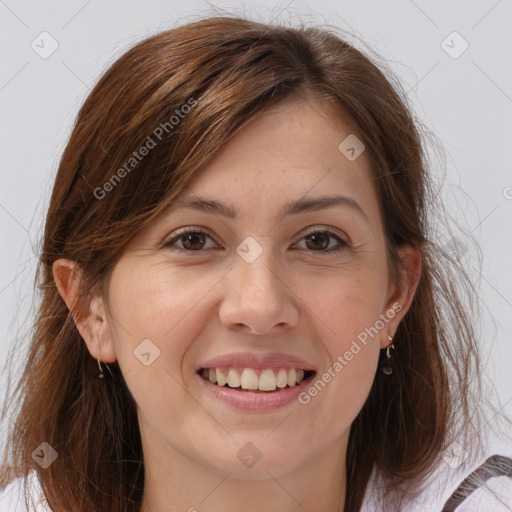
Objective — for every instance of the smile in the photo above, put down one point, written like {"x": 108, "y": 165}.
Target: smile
{"x": 254, "y": 389}
{"x": 253, "y": 379}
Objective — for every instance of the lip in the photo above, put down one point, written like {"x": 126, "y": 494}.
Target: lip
{"x": 248, "y": 401}
{"x": 257, "y": 361}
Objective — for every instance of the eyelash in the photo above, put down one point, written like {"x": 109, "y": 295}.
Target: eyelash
{"x": 194, "y": 230}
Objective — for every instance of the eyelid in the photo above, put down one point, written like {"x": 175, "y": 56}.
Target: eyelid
{"x": 320, "y": 228}
{"x": 184, "y": 231}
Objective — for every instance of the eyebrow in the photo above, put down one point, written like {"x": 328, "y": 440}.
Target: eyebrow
{"x": 291, "y": 208}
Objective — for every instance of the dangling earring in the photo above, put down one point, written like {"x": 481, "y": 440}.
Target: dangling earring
{"x": 387, "y": 370}
{"x": 101, "y": 374}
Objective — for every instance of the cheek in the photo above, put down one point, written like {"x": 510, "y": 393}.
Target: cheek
{"x": 349, "y": 316}
{"x": 338, "y": 393}
{"x": 347, "y": 309}
{"x": 151, "y": 311}
{"x": 153, "y": 300}
{"x": 151, "y": 336}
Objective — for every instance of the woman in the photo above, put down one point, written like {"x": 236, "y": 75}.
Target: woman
{"x": 242, "y": 307}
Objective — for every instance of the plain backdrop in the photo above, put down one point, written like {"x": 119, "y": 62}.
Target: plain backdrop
{"x": 460, "y": 85}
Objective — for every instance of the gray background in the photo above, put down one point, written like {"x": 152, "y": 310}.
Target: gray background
{"x": 466, "y": 101}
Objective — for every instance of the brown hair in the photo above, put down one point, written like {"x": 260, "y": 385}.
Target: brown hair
{"x": 229, "y": 69}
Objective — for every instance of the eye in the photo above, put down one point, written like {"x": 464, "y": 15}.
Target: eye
{"x": 192, "y": 239}
{"x": 318, "y": 241}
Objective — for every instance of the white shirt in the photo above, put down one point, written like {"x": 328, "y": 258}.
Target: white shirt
{"x": 496, "y": 497}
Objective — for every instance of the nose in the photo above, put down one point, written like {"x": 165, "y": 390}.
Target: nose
{"x": 257, "y": 300}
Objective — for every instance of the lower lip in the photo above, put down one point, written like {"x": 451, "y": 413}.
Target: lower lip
{"x": 256, "y": 401}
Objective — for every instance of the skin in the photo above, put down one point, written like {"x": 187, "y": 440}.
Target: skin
{"x": 296, "y": 298}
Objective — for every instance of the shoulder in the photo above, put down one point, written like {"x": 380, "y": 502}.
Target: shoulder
{"x": 483, "y": 484}
{"x": 496, "y": 496}
{"x": 487, "y": 488}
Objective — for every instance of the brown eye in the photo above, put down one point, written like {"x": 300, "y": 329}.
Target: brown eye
{"x": 191, "y": 240}
{"x": 319, "y": 241}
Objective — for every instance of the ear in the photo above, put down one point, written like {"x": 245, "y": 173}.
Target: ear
{"x": 88, "y": 312}
{"x": 401, "y": 294}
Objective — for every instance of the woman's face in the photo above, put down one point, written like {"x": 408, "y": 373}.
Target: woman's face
{"x": 257, "y": 292}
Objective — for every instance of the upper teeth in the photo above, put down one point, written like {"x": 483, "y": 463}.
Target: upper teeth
{"x": 248, "y": 378}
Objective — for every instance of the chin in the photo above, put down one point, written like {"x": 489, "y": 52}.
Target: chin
{"x": 255, "y": 460}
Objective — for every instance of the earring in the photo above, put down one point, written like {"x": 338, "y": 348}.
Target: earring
{"x": 101, "y": 374}
{"x": 387, "y": 370}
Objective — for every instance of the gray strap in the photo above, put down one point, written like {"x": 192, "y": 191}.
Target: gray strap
{"x": 494, "y": 466}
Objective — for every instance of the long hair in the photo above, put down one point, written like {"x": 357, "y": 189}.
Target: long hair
{"x": 227, "y": 70}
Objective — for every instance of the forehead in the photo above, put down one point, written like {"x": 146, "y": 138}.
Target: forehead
{"x": 296, "y": 150}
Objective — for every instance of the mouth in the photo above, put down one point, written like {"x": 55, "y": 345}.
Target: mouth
{"x": 255, "y": 380}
